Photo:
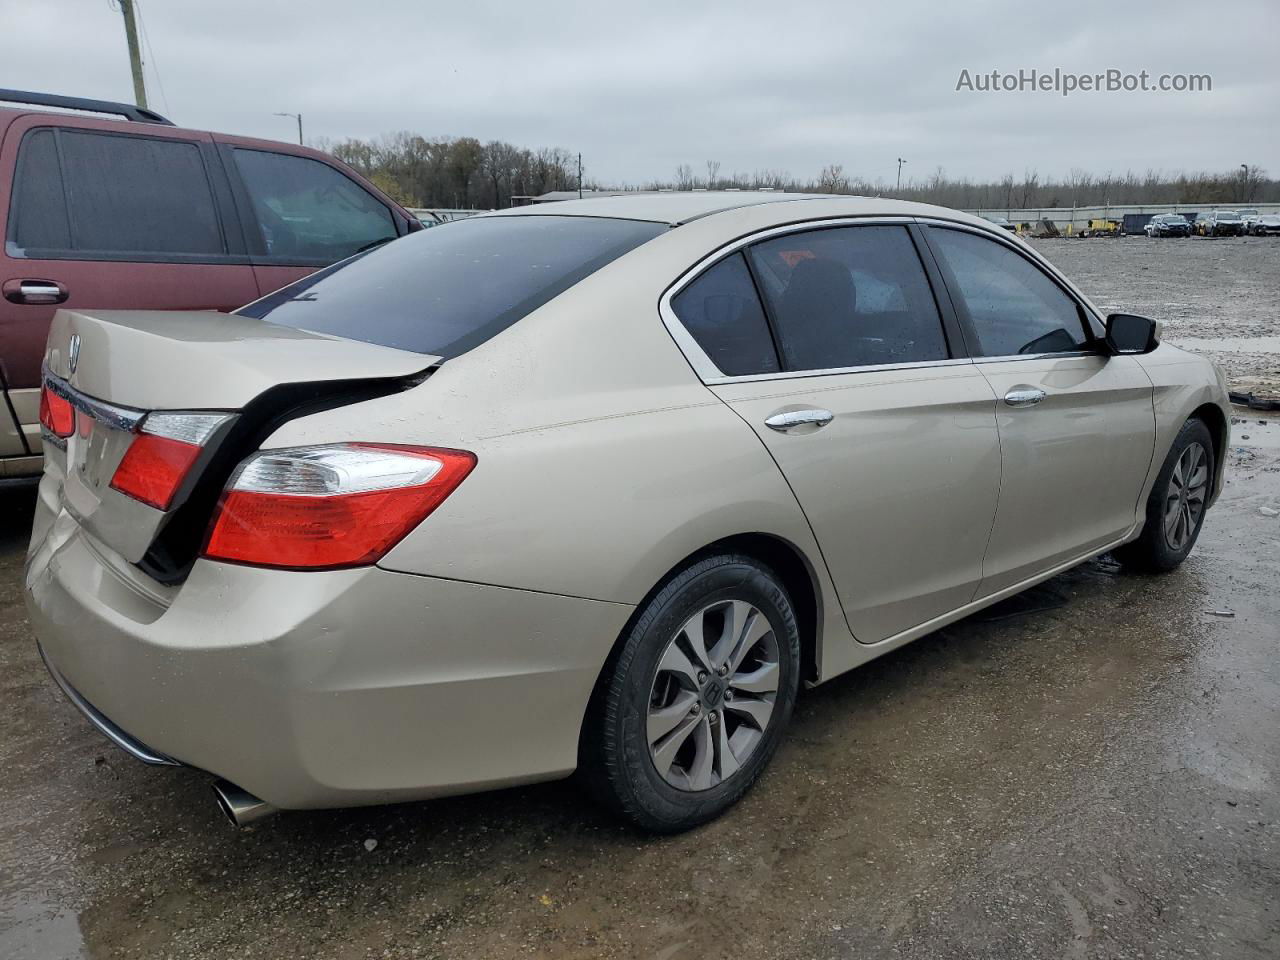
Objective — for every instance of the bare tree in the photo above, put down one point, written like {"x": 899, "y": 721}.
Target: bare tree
{"x": 713, "y": 171}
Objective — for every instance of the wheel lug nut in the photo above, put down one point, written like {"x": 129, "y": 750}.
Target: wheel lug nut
{"x": 724, "y": 671}
{"x": 702, "y": 676}
{"x": 697, "y": 708}
{"x": 713, "y": 716}
{"x": 728, "y": 694}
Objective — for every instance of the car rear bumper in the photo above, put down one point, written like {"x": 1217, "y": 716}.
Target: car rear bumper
{"x": 321, "y": 689}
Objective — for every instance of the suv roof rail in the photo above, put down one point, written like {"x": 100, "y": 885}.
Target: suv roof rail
{"x": 126, "y": 110}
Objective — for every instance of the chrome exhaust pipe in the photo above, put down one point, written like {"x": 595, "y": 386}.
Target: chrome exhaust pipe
{"x": 240, "y": 806}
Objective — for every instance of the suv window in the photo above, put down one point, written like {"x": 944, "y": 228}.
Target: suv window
{"x": 82, "y": 194}
{"x": 446, "y": 290}
{"x": 1012, "y": 305}
{"x": 721, "y": 311}
{"x": 848, "y": 297}
{"x": 308, "y": 211}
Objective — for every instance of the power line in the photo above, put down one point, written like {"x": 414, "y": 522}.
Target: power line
{"x": 151, "y": 55}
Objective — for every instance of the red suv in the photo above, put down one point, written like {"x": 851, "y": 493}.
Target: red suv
{"x": 138, "y": 213}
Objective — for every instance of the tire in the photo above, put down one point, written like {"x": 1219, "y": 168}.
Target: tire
{"x": 655, "y": 677}
{"x": 1163, "y": 544}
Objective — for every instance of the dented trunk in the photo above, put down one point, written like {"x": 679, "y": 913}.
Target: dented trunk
{"x": 146, "y": 414}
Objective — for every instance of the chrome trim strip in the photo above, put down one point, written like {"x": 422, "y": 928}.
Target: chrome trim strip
{"x": 130, "y": 745}
{"x": 720, "y": 380}
{"x": 122, "y": 418}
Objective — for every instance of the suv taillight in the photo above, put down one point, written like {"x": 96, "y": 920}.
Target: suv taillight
{"x": 324, "y": 507}
{"x": 162, "y": 454}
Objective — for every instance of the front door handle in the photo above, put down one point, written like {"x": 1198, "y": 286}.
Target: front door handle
{"x": 1024, "y": 396}
{"x": 790, "y": 420}
{"x": 35, "y": 291}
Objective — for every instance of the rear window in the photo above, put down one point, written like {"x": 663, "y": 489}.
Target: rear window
{"x": 446, "y": 290}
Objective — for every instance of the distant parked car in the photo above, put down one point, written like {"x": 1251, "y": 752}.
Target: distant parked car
{"x": 1203, "y": 224}
{"x": 1224, "y": 223}
{"x": 1002, "y": 223}
{"x": 1248, "y": 216}
{"x": 1266, "y": 225}
{"x": 115, "y": 207}
{"x": 1167, "y": 225}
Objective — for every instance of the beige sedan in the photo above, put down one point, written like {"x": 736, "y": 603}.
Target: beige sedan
{"x": 590, "y": 486}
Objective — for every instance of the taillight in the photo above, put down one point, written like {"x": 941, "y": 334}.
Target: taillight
{"x": 334, "y": 506}
{"x": 56, "y": 413}
{"x": 162, "y": 454}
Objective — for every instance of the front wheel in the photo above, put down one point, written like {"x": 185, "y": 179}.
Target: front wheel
{"x": 1177, "y": 504}
{"x": 693, "y": 704}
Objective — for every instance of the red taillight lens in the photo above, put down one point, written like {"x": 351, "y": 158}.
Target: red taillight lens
{"x": 152, "y": 469}
{"x": 56, "y": 413}
{"x": 336, "y": 506}
{"x": 162, "y": 454}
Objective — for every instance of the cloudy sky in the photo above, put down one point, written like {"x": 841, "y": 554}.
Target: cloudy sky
{"x": 639, "y": 88}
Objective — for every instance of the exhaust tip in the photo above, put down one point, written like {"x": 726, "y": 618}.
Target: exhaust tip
{"x": 239, "y": 806}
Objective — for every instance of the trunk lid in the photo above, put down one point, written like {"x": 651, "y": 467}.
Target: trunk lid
{"x": 117, "y": 367}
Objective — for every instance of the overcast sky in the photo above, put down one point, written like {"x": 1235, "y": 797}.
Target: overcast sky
{"x": 642, "y": 87}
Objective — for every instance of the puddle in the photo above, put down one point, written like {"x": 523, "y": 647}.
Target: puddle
{"x": 1229, "y": 344}
{"x": 32, "y": 929}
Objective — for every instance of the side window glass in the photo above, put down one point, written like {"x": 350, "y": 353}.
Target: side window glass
{"x": 1013, "y": 306}
{"x": 94, "y": 195}
{"x": 309, "y": 211}
{"x": 38, "y": 212}
{"x": 721, "y": 311}
{"x": 849, "y": 297}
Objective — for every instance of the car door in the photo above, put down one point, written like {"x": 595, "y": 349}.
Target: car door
{"x": 848, "y": 377}
{"x": 107, "y": 215}
{"x": 303, "y": 213}
{"x": 1077, "y": 426}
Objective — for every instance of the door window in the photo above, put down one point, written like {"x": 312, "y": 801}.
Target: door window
{"x": 307, "y": 211}
{"x": 722, "y": 312}
{"x": 1012, "y": 305}
{"x": 88, "y": 195}
{"x": 849, "y": 297}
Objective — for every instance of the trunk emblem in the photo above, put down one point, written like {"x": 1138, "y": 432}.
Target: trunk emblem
{"x": 73, "y": 352}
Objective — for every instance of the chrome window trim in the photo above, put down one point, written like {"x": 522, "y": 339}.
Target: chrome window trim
{"x": 705, "y": 367}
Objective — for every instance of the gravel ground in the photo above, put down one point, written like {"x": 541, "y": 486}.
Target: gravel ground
{"x": 1089, "y": 770}
{"x": 1219, "y": 297}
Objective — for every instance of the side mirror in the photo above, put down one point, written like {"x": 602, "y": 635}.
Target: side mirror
{"x": 1129, "y": 333}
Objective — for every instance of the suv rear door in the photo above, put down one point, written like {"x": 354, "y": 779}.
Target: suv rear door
{"x": 303, "y": 210}
{"x": 108, "y": 214}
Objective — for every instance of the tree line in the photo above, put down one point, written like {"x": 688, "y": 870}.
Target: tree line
{"x": 464, "y": 172}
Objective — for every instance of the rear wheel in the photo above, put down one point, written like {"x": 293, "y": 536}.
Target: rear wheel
{"x": 692, "y": 706}
{"x": 1176, "y": 507}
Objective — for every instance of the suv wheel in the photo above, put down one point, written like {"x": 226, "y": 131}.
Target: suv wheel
{"x": 693, "y": 704}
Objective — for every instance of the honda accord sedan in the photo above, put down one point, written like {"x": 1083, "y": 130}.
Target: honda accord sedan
{"x": 596, "y": 486}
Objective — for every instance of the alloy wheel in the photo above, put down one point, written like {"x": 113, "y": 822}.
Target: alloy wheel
{"x": 713, "y": 695}
{"x": 1185, "y": 497}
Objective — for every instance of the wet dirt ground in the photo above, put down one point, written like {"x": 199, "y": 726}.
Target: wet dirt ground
{"x": 1216, "y": 296}
{"x": 1091, "y": 770}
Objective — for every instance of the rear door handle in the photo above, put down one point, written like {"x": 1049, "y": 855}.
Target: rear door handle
{"x": 1024, "y": 396}
{"x": 790, "y": 420}
{"x": 35, "y": 291}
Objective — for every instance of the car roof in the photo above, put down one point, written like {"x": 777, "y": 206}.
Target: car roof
{"x": 677, "y": 207}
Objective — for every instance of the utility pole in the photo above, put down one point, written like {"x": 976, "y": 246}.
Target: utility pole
{"x": 579, "y": 176}
{"x": 296, "y": 116}
{"x": 899, "y": 187}
{"x": 135, "y": 55}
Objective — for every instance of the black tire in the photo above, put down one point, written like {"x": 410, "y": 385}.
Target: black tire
{"x": 616, "y": 763}
{"x": 1154, "y": 551}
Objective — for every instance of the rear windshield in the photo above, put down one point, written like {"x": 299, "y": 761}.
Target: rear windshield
{"x": 448, "y": 289}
